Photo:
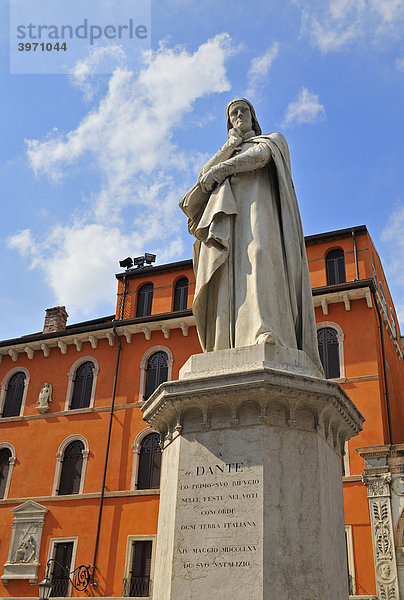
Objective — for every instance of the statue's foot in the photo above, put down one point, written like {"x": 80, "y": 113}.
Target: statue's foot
{"x": 266, "y": 338}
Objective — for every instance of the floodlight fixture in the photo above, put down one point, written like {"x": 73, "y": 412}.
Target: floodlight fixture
{"x": 127, "y": 263}
{"x": 138, "y": 261}
{"x": 149, "y": 258}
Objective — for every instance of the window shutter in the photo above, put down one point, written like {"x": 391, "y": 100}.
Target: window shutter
{"x": 83, "y": 385}
{"x": 14, "y": 394}
{"x": 156, "y": 372}
{"x": 144, "y": 300}
{"x": 181, "y": 294}
{"x": 328, "y": 348}
{"x": 149, "y": 463}
{"x": 335, "y": 267}
{"x": 70, "y": 476}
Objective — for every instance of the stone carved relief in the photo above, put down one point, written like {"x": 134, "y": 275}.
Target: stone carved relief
{"x": 26, "y": 551}
{"x": 378, "y": 488}
{"x": 22, "y": 562}
{"x": 378, "y": 485}
{"x": 45, "y": 396}
{"x": 398, "y": 486}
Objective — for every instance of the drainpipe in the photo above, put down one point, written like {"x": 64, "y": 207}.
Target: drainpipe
{"x": 111, "y": 416}
{"x": 355, "y": 254}
{"x": 386, "y": 389}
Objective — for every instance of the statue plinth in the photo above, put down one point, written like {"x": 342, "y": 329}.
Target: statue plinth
{"x": 251, "y": 491}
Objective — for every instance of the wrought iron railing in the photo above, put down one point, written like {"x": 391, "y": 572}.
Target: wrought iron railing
{"x": 136, "y": 587}
{"x": 60, "y": 587}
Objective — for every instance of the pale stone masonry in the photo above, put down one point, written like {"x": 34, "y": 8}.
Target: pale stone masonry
{"x": 251, "y": 494}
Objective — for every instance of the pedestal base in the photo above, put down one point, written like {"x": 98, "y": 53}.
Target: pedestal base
{"x": 251, "y": 492}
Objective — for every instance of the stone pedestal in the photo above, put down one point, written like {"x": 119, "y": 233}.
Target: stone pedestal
{"x": 251, "y": 491}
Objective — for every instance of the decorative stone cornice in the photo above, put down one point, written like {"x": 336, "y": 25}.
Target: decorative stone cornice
{"x": 304, "y": 401}
{"x": 45, "y": 344}
{"x": 345, "y": 297}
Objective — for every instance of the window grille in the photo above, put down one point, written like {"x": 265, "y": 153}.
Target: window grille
{"x": 72, "y": 463}
{"x": 328, "y": 347}
{"x": 181, "y": 294}
{"x": 60, "y": 576}
{"x": 14, "y": 395}
{"x": 83, "y": 385}
{"x": 156, "y": 372}
{"x": 335, "y": 265}
{"x": 144, "y": 300}
{"x": 5, "y": 455}
{"x": 149, "y": 463}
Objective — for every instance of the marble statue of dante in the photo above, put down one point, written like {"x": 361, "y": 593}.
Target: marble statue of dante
{"x": 252, "y": 277}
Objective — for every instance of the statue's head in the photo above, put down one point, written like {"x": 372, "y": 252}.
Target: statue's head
{"x": 240, "y": 113}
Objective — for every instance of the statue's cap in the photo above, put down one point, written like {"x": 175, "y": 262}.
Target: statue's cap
{"x": 255, "y": 124}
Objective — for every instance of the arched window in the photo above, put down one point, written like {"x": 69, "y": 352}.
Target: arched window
{"x": 5, "y": 467}
{"x": 14, "y": 395}
{"x": 149, "y": 463}
{"x": 82, "y": 386}
{"x": 335, "y": 264}
{"x": 72, "y": 465}
{"x": 327, "y": 339}
{"x": 181, "y": 294}
{"x": 156, "y": 372}
{"x": 144, "y": 300}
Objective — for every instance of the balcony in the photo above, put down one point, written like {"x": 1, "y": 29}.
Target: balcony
{"x": 136, "y": 587}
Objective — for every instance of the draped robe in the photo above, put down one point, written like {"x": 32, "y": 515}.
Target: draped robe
{"x": 249, "y": 256}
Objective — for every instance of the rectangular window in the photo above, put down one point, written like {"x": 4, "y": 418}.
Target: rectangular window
{"x": 137, "y": 582}
{"x": 63, "y": 553}
{"x": 61, "y": 569}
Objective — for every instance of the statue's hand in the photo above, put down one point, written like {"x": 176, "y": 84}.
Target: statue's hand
{"x": 207, "y": 181}
{"x": 211, "y": 177}
{"x": 235, "y": 137}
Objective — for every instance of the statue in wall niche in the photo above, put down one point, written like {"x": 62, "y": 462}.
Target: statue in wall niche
{"x": 45, "y": 396}
{"x": 25, "y": 552}
{"x": 252, "y": 277}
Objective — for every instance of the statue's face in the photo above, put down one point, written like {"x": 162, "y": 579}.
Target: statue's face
{"x": 240, "y": 116}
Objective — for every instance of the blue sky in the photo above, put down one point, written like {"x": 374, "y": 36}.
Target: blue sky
{"x": 93, "y": 166}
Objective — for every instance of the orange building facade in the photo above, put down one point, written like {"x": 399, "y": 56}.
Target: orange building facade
{"x": 79, "y": 467}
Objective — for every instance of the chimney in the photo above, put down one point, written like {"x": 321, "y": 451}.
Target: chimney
{"x": 55, "y": 319}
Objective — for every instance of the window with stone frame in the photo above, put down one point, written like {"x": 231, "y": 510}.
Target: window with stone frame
{"x": 14, "y": 395}
{"x": 63, "y": 552}
{"x": 71, "y": 471}
{"x": 328, "y": 348}
{"x": 156, "y": 372}
{"x": 144, "y": 300}
{"x": 137, "y": 585}
{"x": 149, "y": 463}
{"x": 181, "y": 294}
{"x": 335, "y": 266}
{"x": 82, "y": 386}
{"x": 5, "y": 456}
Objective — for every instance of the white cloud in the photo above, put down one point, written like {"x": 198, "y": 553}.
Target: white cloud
{"x": 107, "y": 56}
{"x": 128, "y": 139}
{"x": 259, "y": 68}
{"x": 336, "y": 24}
{"x": 306, "y": 109}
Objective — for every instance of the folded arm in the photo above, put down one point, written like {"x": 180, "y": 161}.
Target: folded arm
{"x": 256, "y": 157}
